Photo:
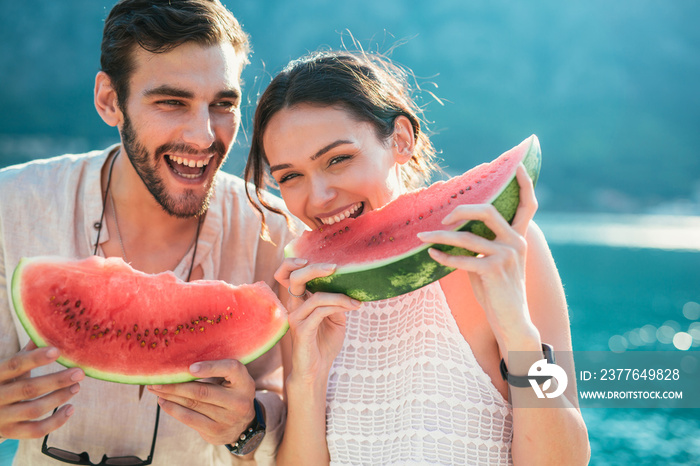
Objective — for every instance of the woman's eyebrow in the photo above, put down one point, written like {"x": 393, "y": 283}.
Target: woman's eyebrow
{"x": 330, "y": 146}
{"x": 281, "y": 166}
{"x": 318, "y": 154}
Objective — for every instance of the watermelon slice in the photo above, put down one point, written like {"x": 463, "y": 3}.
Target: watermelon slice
{"x": 126, "y": 326}
{"x": 378, "y": 254}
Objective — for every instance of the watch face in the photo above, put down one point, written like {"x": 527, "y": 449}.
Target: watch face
{"x": 252, "y": 442}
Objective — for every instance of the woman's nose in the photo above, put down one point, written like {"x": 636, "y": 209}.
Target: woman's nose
{"x": 322, "y": 192}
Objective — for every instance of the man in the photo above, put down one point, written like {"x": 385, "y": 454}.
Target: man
{"x": 170, "y": 83}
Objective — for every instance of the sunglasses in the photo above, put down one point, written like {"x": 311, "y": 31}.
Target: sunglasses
{"x": 84, "y": 458}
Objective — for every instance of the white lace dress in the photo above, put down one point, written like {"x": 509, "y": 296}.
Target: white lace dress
{"x": 406, "y": 389}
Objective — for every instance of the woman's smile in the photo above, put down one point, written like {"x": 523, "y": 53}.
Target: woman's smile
{"x": 353, "y": 211}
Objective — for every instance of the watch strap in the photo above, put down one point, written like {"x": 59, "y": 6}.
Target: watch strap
{"x": 524, "y": 380}
{"x": 251, "y": 437}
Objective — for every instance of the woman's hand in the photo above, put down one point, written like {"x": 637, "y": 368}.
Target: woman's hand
{"x": 497, "y": 274}
{"x": 316, "y": 321}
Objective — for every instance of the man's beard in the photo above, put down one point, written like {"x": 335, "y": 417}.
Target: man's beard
{"x": 188, "y": 204}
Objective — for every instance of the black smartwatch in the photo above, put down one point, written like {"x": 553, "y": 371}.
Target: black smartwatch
{"x": 251, "y": 437}
{"x": 523, "y": 380}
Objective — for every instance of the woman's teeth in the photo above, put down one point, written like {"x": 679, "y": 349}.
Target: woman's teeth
{"x": 341, "y": 216}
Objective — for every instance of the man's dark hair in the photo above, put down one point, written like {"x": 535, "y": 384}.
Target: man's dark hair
{"x": 158, "y": 26}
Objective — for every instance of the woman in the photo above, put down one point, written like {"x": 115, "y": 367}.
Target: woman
{"x": 412, "y": 379}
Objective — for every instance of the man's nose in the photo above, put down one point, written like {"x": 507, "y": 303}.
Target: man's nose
{"x": 199, "y": 130}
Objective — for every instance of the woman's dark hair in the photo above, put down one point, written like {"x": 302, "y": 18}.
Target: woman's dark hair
{"x": 159, "y": 26}
{"x": 369, "y": 87}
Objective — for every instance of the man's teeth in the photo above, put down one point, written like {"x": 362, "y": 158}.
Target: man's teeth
{"x": 341, "y": 216}
{"x": 188, "y": 162}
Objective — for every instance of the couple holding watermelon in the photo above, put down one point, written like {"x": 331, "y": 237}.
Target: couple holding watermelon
{"x": 410, "y": 379}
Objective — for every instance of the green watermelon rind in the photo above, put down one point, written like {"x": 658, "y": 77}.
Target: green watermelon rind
{"x": 169, "y": 378}
{"x": 414, "y": 269}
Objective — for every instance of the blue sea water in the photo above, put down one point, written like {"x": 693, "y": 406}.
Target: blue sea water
{"x": 7, "y": 452}
{"x": 621, "y": 276}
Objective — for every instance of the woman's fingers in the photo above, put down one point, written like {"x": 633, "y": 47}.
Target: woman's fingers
{"x": 310, "y": 326}
{"x": 487, "y": 213}
{"x": 294, "y": 274}
{"x": 460, "y": 239}
{"x": 298, "y": 278}
{"x": 285, "y": 269}
{"x": 528, "y": 202}
{"x": 321, "y": 300}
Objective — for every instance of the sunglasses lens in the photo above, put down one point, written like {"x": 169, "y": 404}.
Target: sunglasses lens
{"x": 124, "y": 461}
{"x": 64, "y": 455}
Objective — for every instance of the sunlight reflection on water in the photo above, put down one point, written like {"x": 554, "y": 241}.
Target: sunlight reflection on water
{"x": 632, "y": 285}
{"x": 634, "y": 231}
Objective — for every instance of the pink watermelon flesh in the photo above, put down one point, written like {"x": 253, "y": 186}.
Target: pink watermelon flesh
{"x": 391, "y": 230}
{"x": 126, "y": 326}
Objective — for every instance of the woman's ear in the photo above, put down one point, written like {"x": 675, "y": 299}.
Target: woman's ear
{"x": 106, "y": 100}
{"x": 404, "y": 140}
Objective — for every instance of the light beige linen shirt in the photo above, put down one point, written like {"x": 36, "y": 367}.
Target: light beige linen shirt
{"x": 50, "y": 207}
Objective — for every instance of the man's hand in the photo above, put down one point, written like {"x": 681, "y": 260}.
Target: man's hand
{"x": 24, "y": 399}
{"x": 219, "y": 407}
